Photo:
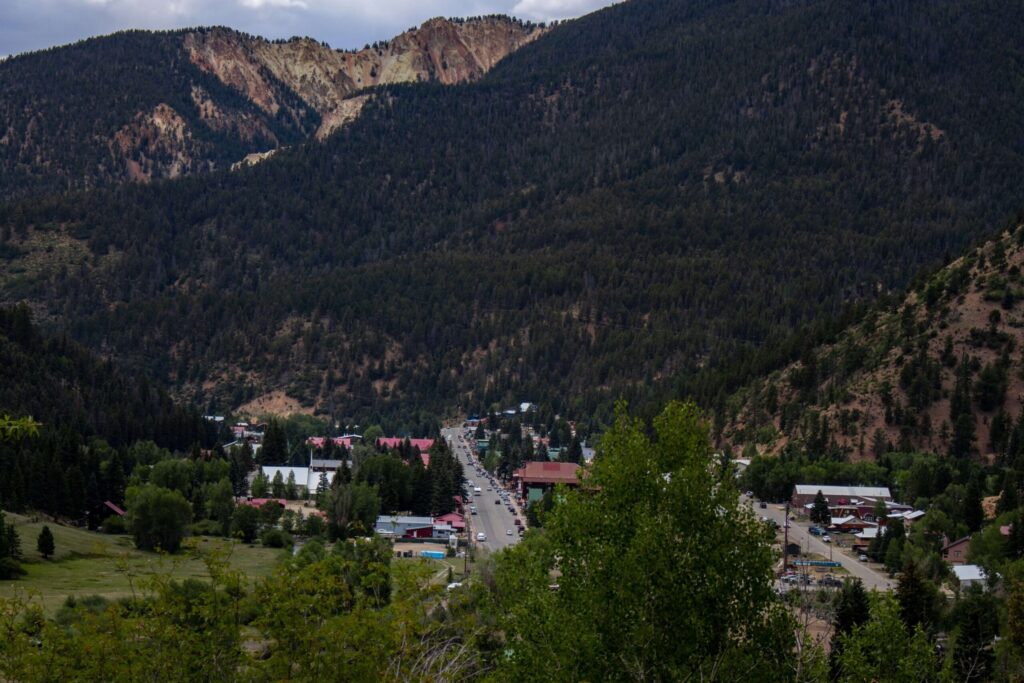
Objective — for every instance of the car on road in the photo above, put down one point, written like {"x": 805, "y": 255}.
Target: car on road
{"x": 497, "y": 502}
{"x": 826, "y": 539}
{"x": 481, "y": 536}
{"x": 863, "y": 558}
{"x": 764, "y": 505}
{"x": 508, "y": 532}
{"x": 816, "y": 531}
{"x": 518, "y": 522}
{"x": 793, "y": 579}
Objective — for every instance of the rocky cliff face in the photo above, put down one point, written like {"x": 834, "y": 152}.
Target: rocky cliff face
{"x": 440, "y": 50}
{"x": 143, "y": 105}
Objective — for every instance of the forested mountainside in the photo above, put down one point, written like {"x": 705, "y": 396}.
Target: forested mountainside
{"x": 141, "y": 105}
{"x": 69, "y": 390}
{"x": 941, "y": 370}
{"x": 660, "y": 193}
{"x": 86, "y": 409}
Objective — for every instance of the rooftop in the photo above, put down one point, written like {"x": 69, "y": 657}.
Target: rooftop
{"x": 548, "y": 473}
{"x": 850, "y": 491}
{"x": 969, "y": 572}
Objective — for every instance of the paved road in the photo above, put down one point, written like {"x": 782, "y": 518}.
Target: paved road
{"x": 798, "y": 533}
{"x": 493, "y": 520}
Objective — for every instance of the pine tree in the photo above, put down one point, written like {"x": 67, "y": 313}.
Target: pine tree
{"x": 973, "y": 514}
{"x": 44, "y": 543}
{"x": 1009, "y": 499}
{"x": 274, "y": 450}
{"x": 820, "y": 513}
{"x": 917, "y": 597}
{"x": 852, "y": 608}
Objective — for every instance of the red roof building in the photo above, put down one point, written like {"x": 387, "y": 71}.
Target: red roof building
{"x": 396, "y": 441}
{"x": 537, "y": 477}
{"x": 453, "y": 519}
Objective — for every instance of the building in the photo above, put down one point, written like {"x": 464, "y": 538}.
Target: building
{"x": 260, "y": 502}
{"x": 837, "y": 495}
{"x": 970, "y": 575}
{"x": 537, "y": 477}
{"x": 452, "y": 519}
{"x": 955, "y": 552}
{"x": 395, "y": 441}
{"x": 343, "y": 441}
{"x": 305, "y": 477}
{"x": 327, "y": 465}
{"x": 397, "y": 526}
{"x": 850, "y": 523}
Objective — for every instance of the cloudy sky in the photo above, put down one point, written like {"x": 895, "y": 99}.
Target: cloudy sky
{"x": 34, "y": 24}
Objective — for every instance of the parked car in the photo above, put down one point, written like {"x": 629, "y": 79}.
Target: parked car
{"x": 518, "y": 522}
{"x": 829, "y": 581}
{"x": 816, "y": 531}
{"x": 826, "y": 539}
{"x": 863, "y": 558}
{"x": 508, "y": 532}
{"x": 764, "y": 505}
{"x": 481, "y": 536}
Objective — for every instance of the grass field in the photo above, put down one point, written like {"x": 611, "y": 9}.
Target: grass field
{"x": 90, "y": 563}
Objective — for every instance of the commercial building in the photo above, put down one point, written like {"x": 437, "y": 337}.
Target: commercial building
{"x": 838, "y": 496}
{"x": 537, "y": 477}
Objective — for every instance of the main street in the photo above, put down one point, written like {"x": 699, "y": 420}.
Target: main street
{"x": 799, "y": 534}
{"x": 493, "y": 520}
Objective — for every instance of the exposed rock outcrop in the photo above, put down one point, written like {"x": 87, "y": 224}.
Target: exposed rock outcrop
{"x": 329, "y": 80}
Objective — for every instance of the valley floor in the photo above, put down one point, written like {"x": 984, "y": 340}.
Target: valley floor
{"x": 90, "y": 563}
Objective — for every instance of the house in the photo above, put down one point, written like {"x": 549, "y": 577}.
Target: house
{"x": 955, "y": 553}
{"x": 850, "y": 523}
{"x": 326, "y": 465}
{"x": 395, "y": 441}
{"x": 452, "y": 519}
{"x": 908, "y": 517}
{"x": 537, "y": 477}
{"x": 970, "y": 575}
{"x": 837, "y": 495}
{"x": 397, "y": 526}
{"x": 424, "y": 446}
{"x": 343, "y": 441}
{"x": 260, "y": 502}
{"x": 869, "y": 534}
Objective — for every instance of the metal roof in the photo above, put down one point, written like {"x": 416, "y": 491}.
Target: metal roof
{"x": 850, "y": 491}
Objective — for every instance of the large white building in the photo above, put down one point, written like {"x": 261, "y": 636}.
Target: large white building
{"x": 838, "y": 495}
{"x": 306, "y": 477}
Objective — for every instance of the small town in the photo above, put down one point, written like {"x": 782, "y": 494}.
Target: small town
{"x": 511, "y": 341}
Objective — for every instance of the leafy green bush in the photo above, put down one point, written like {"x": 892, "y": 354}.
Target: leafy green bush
{"x": 275, "y": 538}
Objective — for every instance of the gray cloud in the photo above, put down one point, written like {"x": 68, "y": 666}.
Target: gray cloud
{"x": 36, "y": 24}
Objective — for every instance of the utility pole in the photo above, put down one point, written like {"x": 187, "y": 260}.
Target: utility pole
{"x": 785, "y": 536}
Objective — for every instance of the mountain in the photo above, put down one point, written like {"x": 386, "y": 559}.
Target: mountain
{"x": 141, "y": 105}
{"x": 937, "y": 370}
{"x": 69, "y": 391}
{"x": 659, "y": 198}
